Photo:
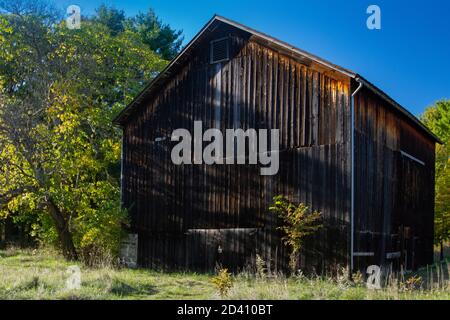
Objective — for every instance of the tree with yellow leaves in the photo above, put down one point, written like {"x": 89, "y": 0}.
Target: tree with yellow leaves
{"x": 59, "y": 152}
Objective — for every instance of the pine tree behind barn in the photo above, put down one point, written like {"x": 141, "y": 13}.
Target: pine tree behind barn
{"x": 229, "y": 76}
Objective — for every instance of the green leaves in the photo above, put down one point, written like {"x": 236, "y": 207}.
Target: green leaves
{"x": 437, "y": 118}
{"x": 298, "y": 223}
{"x": 5, "y": 30}
{"x": 59, "y": 90}
{"x": 151, "y": 31}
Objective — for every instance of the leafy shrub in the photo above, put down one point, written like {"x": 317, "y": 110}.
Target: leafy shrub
{"x": 260, "y": 266}
{"x": 223, "y": 282}
{"x": 358, "y": 279}
{"x": 99, "y": 234}
{"x": 298, "y": 223}
{"x": 412, "y": 283}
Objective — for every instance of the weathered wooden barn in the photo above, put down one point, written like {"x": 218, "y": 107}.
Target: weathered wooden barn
{"x": 346, "y": 149}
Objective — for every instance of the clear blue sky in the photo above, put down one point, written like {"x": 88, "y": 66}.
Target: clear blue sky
{"x": 409, "y": 58}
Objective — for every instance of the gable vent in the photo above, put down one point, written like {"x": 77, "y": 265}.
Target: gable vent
{"x": 219, "y": 50}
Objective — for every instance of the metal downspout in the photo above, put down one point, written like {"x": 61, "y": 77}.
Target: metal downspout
{"x": 352, "y": 209}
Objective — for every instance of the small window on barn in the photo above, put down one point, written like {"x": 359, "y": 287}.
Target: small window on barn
{"x": 219, "y": 50}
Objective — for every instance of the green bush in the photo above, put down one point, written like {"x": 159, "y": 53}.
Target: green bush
{"x": 298, "y": 223}
{"x": 223, "y": 282}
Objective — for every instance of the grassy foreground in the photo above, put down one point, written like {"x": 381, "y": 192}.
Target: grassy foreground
{"x": 42, "y": 274}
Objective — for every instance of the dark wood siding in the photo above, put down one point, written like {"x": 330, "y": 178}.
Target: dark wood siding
{"x": 195, "y": 216}
{"x": 394, "y": 194}
{"x": 184, "y": 213}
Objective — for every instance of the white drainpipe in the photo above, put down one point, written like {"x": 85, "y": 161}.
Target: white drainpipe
{"x": 352, "y": 218}
{"x": 121, "y": 166}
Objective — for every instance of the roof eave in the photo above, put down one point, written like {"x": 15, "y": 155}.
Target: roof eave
{"x": 122, "y": 116}
{"x": 397, "y": 106}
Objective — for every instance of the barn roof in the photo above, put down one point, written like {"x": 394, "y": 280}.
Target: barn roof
{"x": 215, "y": 21}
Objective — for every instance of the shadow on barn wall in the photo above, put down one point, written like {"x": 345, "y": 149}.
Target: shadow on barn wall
{"x": 194, "y": 216}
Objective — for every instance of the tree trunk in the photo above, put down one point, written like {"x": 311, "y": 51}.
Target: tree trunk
{"x": 62, "y": 227}
{"x": 442, "y": 251}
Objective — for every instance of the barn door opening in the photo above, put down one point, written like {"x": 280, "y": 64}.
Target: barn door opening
{"x": 232, "y": 248}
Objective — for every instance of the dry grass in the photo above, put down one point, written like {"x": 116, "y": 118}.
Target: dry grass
{"x": 26, "y": 274}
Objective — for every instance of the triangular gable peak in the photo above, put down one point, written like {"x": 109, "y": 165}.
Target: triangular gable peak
{"x": 207, "y": 34}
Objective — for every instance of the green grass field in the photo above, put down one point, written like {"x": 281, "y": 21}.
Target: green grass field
{"x": 42, "y": 274}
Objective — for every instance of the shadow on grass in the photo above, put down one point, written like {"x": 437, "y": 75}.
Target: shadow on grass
{"x": 435, "y": 275}
{"x": 8, "y": 253}
{"x": 120, "y": 288}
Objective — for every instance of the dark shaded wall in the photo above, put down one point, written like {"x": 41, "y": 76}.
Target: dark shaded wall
{"x": 394, "y": 195}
